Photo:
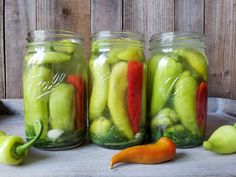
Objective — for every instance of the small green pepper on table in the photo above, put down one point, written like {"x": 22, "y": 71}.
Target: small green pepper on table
{"x": 13, "y": 149}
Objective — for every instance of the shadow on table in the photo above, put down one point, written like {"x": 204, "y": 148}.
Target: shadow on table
{"x": 179, "y": 155}
{"x": 4, "y": 110}
{"x": 35, "y": 156}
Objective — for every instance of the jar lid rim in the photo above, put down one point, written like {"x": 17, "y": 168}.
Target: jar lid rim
{"x": 178, "y": 34}
{"x": 54, "y": 33}
{"x": 121, "y": 34}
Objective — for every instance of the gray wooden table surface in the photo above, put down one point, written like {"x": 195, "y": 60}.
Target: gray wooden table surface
{"x": 90, "y": 160}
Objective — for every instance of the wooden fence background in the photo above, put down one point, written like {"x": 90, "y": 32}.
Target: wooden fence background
{"x": 215, "y": 18}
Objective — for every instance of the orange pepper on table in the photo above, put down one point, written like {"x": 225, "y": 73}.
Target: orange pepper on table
{"x": 163, "y": 150}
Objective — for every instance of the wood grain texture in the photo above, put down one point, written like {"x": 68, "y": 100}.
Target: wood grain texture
{"x": 2, "y": 58}
{"x": 150, "y": 17}
{"x": 106, "y": 15}
{"x": 220, "y": 29}
{"x": 134, "y": 15}
{"x": 19, "y": 20}
{"x": 72, "y": 15}
{"x": 189, "y": 15}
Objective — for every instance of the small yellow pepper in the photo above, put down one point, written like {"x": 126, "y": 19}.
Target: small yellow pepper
{"x": 12, "y": 148}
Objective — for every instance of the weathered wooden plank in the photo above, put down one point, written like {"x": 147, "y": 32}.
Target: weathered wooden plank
{"x": 150, "y": 17}
{"x": 134, "y": 15}
{"x": 106, "y": 15}
{"x": 220, "y": 29}
{"x": 2, "y": 59}
{"x": 19, "y": 20}
{"x": 189, "y": 15}
{"x": 72, "y": 15}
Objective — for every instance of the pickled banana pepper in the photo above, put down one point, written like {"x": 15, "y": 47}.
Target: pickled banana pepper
{"x": 177, "y": 84}
{"x": 117, "y": 104}
{"x": 54, "y": 80}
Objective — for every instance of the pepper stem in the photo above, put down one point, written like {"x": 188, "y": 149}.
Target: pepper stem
{"x": 22, "y": 148}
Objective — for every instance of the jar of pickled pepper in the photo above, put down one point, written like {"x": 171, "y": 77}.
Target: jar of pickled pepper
{"x": 54, "y": 86}
{"x": 177, "y": 88}
{"x": 117, "y": 104}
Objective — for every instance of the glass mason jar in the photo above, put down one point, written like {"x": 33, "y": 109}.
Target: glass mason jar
{"x": 117, "y": 106}
{"x": 54, "y": 86}
{"x": 177, "y": 88}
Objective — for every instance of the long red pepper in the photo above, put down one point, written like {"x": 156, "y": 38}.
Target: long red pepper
{"x": 79, "y": 85}
{"x": 201, "y": 105}
{"x": 134, "y": 93}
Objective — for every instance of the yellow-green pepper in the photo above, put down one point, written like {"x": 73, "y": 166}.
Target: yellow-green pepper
{"x": 36, "y": 97}
{"x": 62, "y": 107}
{"x": 12, "y": 148}
{"x": 166, "y": 74}
{"x": 100, "y": 73}
{"x": 223, "y": 140}
{"x": 116, "y": 98}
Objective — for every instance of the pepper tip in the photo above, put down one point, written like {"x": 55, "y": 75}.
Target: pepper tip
{"x": 111, "y": 165}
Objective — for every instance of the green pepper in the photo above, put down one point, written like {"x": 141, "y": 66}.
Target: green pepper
{"x": 100, "y": 72}
{"x": 197, "y": 60}
{"x": 185, "y": 101}
{"x": 47, "y": 57}
{"x": 164, "y": 119}
{"x": 163, "y": 122}
{"x": 125, "y": 54}
{"x": 62, "y": 107}
{"x": 65, "y": 46}
{"x": 12, "y": 148}
{"x": 223, "y": 140}
{"x": 167, "y": 72}
{"x": 103, "y": 132}
{"x": 144, "y": 96}
{"x": 152, "y": 64}
{"x": 36, "y": 95}
{"x": 100, "y": 127}
{"x": 33, "y": 47}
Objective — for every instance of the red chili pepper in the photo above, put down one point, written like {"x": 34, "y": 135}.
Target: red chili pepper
{"x": 134, "y": 95}
{"x": 79, "y": 85}
{"x": 202, "y": 105}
